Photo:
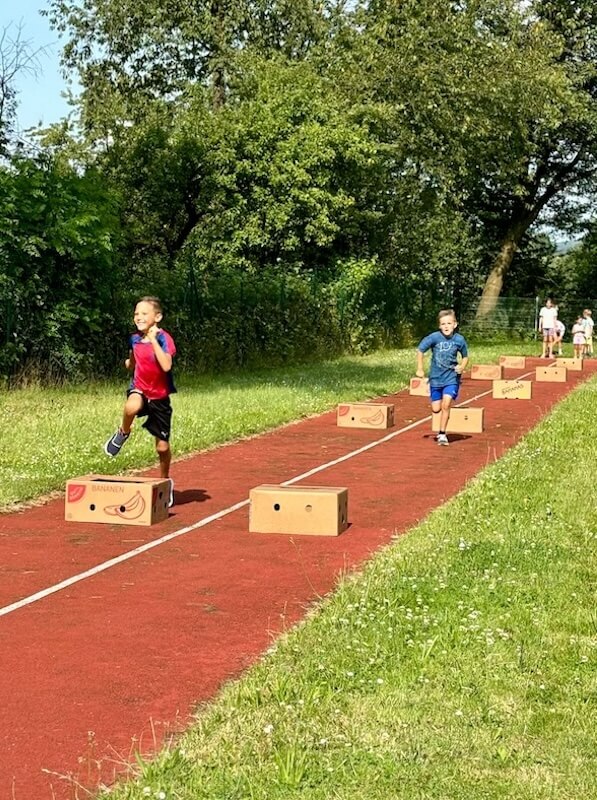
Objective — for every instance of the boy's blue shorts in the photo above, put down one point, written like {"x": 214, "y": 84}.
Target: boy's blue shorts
{"x": 437, "y": 392}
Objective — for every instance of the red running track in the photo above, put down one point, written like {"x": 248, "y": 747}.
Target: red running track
{"x": 116, "y": 662}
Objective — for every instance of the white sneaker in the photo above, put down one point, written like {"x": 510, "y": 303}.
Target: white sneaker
{"x": 442, "y": 439}
{"x": 171, "y": 497}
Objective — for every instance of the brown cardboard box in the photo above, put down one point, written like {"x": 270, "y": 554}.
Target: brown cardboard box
{"x": 419, "y": 387}
{"x": 513, "y": 362}
{"x": 462, "y": 420}
{"x": 486, "y": 372}
{"x": 311, "y": 510}
{"x": 117, "y": 500}
{"x": 365, "y": 415}
{"x": 550, "y": 374}
{"x": 515, "y": 390}
{"x": 573, "y": 364}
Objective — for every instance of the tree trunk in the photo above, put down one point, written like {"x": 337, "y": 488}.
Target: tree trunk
{"x": 501, "y": 264}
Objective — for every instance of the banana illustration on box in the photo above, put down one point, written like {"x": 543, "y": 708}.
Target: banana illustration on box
{"x": 374, "y": 419}
{"x": 132, "y": 509}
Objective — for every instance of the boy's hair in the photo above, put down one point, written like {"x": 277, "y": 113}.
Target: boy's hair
{"x": 155, "y": 302}
{"x": 446, "y": 312}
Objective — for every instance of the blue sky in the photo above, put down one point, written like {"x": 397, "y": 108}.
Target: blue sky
{"x": 39, "y": 95}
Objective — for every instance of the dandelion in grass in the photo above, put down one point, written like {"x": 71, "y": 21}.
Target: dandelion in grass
{"x": 268, "y": 729}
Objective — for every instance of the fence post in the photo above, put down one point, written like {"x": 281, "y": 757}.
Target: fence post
{"x": 536, "y": 316}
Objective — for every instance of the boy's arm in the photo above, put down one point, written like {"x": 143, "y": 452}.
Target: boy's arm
{"x": 420, "y": 371}
{"x": 463, "y": 350}
{"x": 461, "y": 366}
{"x": 164, "y": 359}
{"x": 129, "y": 362}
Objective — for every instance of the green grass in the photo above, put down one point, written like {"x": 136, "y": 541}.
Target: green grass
{"x": 57, "y": 434}
{"x": 461, "y": 663}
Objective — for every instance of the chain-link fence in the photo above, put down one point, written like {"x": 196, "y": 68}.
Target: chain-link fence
{"x": 518, "y": 317}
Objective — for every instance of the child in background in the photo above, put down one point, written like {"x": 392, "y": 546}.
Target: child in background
{"x": 150, "y": 359}
{"x": 547, "y": 327}
{"x": 579, "y": 339}
{"x": 446, "y": 369}
{"x": 588, "y": 326}
{"x": 559, "y": 335}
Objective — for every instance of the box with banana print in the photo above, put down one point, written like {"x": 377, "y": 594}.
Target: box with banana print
{"x": 117, "y": 500}
{"x": 365, "y": 415}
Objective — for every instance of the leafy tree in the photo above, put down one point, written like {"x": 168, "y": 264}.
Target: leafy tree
{"x": 555, "y": 156}
{"x": 484, "y": 105}
{"x": 283, "y": 175}
{"x": 58, "y": 274}
{"x": 128, "y": 53}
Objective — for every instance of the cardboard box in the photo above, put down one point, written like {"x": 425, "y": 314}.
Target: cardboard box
{"x": 573, "y": 364}
{"x": 365, "y": 415}
{"x": 462, "y": 420}
{"x": 513, "y": 362}
{"x": 419, "y": 387}
{"x": 310, "y": 510}
{"x": 117, "y": 500}
{"x": 515, "y": 390}
{"x": 550, "y": 374}
{"x": 486, "y": 372}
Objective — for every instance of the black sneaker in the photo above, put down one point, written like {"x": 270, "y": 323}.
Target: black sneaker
{"x": 115, "y": 442}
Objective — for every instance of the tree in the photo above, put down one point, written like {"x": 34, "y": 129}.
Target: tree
{"x": 556, "y": 157}
{"x": 130, "y": 53}
{"x": 58, "y": 267}
{"x": 16, "y": 57}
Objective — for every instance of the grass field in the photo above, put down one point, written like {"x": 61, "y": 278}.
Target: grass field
{"x": 58, "y": 433}
{"x": 461, "y": 663}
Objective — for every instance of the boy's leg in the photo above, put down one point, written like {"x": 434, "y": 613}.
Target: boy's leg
{"x": 159, "y": 420}
{"x": 133, "y": 405}
{"x": 445, "y": 412}
{"x": 436, "y": 407}
{"x": 165, "y": 456}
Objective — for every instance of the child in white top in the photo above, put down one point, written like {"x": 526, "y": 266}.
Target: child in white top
{"x": 578, "y": 338}
{"x": 588, "y": 326}
{"x": 547, "y": 327}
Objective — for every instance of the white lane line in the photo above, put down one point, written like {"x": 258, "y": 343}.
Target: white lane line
{"x": 112, "y": 562}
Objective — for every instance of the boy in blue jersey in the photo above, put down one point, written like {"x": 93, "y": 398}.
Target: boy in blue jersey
{"x": 446, "y": 367}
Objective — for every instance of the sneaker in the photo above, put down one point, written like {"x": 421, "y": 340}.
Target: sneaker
{"x": 115, "y": 442}
{"x": 442, "y": 439}
{"x": 171, "y": 497}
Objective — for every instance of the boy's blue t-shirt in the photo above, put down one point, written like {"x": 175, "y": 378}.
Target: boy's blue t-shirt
{"x": 444, "y": 357}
